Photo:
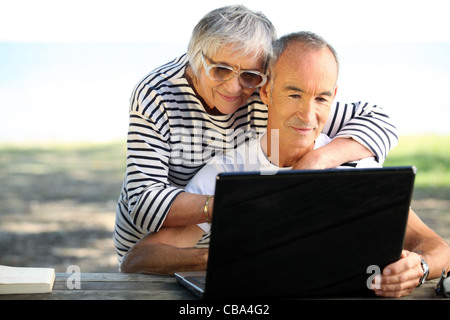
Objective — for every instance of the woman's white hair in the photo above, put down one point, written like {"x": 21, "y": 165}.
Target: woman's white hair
{"x": 250, "y": 32}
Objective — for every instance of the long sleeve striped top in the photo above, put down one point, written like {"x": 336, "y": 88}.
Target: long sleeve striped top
{"x": 171, "y": 137}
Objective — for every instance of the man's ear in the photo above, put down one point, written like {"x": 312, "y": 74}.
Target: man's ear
{"x": 264, "y": 92}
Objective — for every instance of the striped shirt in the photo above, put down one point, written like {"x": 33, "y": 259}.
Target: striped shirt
{"x": 171, "y": 137}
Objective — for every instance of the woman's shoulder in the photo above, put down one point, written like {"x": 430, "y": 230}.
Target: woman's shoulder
{"x": 164, "y": 84}
{"x": 166, "y": 75}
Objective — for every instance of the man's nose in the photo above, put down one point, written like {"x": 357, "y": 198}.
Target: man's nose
{"x": 306, "y": 112}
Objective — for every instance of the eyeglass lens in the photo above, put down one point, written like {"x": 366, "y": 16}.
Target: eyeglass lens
{"x": 247, "y": 78}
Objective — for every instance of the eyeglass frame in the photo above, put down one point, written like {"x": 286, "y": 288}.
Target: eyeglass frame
{"x": 237, "y": 73}
{"x": 441, "y": 288}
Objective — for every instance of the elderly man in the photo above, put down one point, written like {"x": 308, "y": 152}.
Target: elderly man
{"x": 299, "y": 95}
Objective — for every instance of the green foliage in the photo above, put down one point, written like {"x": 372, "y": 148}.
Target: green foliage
{"x": 430, "y": 154}
{"x": 82, "y": 172}
{"x": 94, "y": 171}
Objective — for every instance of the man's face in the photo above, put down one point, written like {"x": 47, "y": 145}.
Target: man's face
{"x": 227, "y": 96}
{"x": 299, "y": 96}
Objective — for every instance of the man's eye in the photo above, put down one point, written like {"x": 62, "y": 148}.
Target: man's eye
{"x": 295, "y": 96}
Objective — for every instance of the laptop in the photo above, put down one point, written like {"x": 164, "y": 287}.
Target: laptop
{"x": 295, "y": 234}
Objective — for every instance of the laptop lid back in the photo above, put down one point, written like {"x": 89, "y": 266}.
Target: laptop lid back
{"x": 305, "y": 233}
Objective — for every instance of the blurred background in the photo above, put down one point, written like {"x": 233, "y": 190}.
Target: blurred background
{"x": 67, "y": 70}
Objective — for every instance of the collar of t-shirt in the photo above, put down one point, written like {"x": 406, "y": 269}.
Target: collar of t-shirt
{"x": 267, "y": 166}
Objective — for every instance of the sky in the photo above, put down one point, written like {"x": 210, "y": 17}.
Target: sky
{"x": 67, "y": 68}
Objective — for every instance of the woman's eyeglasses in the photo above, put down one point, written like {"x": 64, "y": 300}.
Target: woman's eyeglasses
{"x": 247, "y": 78}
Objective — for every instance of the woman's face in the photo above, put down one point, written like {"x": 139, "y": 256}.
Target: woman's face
{"x": 225, "y": 97}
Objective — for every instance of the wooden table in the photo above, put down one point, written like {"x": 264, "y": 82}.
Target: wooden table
{"x": 119, "y": 286}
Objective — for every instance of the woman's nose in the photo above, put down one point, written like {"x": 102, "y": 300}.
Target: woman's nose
{"x": 233, "y": 85}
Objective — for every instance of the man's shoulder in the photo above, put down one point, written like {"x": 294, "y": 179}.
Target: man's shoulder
{"x": 322, "y": 140}
{"x": 239, "y": 158}
{"x": 366, "y": 163}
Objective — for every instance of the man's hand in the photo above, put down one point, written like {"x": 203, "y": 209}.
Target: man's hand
{"x": 399, "y": 278}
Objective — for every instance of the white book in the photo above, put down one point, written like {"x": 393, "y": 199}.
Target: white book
{"x": 14, "y": 280}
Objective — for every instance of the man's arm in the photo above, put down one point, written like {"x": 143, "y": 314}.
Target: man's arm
{"x": 168, "y": 251}
{"x": 431, "y": 247}
{"x": 402, "y": 277}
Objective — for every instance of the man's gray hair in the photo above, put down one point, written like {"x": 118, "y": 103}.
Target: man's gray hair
{"x": 308, "y": 39}
{"x": 250, "y": 32}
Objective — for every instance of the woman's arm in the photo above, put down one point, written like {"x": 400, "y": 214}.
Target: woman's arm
{"x": 168, "y": 251}
{"x": 360, "y": 130}
{"x": 335, "y": 153}
{"x": 187, "y": 209}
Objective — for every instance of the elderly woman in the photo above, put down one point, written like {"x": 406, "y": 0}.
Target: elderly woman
{"x": 205, "y": 102}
